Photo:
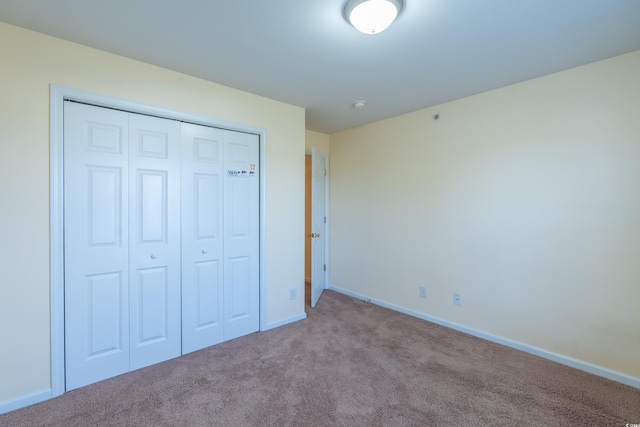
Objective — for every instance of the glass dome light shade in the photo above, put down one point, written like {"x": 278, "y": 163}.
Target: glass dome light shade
{"x": 372, "y": 16}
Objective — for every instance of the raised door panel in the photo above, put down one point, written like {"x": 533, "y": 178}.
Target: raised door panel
{"x": 202, "y": 222}
{"x": 241, "y": 234}
{"x": 151, "y": 301}
{"x": 154, "y": 238}
{"x": 208, "y": 287}
{"x": 104, "y": 295}
{"x": 239, "y": 285}
{"x": 96, "y": 244}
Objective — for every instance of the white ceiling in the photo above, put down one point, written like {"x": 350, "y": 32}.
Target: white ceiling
{"x": 302, "y": 52}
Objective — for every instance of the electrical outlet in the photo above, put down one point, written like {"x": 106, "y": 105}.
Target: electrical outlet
{"x": 457, "y": 299}
{"x": 293, "y": 293}
{"x": 423, "y": 291}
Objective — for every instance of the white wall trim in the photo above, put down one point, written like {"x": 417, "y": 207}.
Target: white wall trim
{"x": 58, "y": 94}
{"x": 56, "y": 241}
{"x": 555, "y": 357}
{"x": 24, "y": 401}
{"x": 286, "y": 321}
{"x": 263, "y": 228}
{"x": 326, "y": 225}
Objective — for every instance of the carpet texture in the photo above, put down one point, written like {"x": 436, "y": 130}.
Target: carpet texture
{"x": 349, "y": 363}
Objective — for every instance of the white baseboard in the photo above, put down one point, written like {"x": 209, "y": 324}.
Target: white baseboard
{"x": 41, "y": 396}
{"x": 24, "y": 401}
{"x": 559, "y": 358}
{"x": 286, "y": 321}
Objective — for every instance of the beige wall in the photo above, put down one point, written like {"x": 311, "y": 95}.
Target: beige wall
{"x": 29, "y": 63}
{"x": 318, "y": 140}
{"x": 525, "y": 200}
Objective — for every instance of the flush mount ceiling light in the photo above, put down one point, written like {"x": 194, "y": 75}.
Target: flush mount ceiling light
{"x": 372, "y": 16}
{"x": 359, "y": 105}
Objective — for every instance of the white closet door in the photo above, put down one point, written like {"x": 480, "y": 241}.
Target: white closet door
{"x": 241, "y": 234}
{"x": 202, "y": 238}
{"x": 140, "y": 274}
{"x": 154, "y": 238}
{"x": 96, "y": 244}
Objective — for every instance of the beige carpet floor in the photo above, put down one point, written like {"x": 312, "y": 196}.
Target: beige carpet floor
{"x": 349, "y": 363}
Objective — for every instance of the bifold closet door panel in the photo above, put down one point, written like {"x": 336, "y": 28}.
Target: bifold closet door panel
{"x": 161, "y": 234}
{"x": 202, "y": 237}
{"x": 96, "y": 261}
{"x": 154, "y": 239}
{"x": 241, "y": 234}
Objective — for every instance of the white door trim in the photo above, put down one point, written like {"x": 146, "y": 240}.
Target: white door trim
{"x": 58, "y": 94}
{"x": 326, "y": 224}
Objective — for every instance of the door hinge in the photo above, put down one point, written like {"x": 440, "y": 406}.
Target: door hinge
{"x": 325, "y": 172}
{"x": 325, "y": 219}
{"x": 325, "y": 267}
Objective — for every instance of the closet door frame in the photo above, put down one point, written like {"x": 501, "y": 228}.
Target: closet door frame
{"x": 60, "y": 94}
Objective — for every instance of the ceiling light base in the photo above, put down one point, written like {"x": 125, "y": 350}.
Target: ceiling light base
{"x": 359, "y": 105}
{"x": 372, "y": 16}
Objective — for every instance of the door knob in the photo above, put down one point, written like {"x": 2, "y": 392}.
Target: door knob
{"x": 154, "y": 256}
{"x": 314, "y": 235}
{"x": 204, "y": 251}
